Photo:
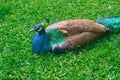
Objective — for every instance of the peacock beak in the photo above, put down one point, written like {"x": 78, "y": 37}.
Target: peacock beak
{"x": 31, "y": 29}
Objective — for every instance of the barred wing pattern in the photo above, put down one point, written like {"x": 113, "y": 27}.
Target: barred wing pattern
{"x": 73, "y": 27}
{"x": 79, "y": 32}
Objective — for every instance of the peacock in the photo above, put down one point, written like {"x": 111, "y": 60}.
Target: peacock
{"x": 70, "y": 34}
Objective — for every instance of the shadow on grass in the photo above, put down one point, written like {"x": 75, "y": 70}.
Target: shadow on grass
{"x": 92, "y": 44}
{"x": 4, "y": 10}
{"x": 82, "y": 49}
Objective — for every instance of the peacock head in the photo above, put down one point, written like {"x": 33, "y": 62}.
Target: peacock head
{"x": 40, "y": 27}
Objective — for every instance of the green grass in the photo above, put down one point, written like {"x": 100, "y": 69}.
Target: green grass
{"x": 98, "y": 60}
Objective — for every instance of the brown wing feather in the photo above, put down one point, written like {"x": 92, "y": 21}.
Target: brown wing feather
{"x": 80, "y": 39}
{"x": 73, "y": 27}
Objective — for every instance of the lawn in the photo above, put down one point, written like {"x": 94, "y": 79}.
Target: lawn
{"x": 98, "y": 60}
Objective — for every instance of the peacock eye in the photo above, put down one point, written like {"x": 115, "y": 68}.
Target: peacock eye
{"x": 36, "y": 28}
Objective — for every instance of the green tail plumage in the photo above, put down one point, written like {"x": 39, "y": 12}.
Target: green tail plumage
{"x": 112, "y": 23}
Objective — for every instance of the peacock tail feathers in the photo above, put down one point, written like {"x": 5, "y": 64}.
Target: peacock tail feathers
{"x": 112, "y": 23}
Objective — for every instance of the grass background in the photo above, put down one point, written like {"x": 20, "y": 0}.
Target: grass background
{"x": 98, "y": 60}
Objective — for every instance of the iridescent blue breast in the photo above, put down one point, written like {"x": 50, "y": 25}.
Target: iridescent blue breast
{"x": 40, "y": 43}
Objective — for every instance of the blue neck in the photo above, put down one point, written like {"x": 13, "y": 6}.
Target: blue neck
{"x": 40, "y": 42}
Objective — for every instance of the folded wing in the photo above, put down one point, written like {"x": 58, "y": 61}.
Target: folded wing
{"x": 73, "y": 27}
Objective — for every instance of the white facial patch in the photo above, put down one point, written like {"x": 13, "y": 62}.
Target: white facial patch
{"x": 40, "y": 29}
